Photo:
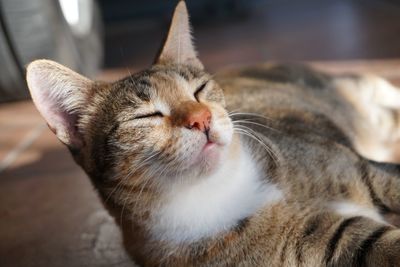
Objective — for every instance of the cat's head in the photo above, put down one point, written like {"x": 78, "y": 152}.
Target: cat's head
{"x": 165, "y": 122}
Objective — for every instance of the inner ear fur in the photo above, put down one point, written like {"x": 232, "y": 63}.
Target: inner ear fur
{"x": 60, "y": 95}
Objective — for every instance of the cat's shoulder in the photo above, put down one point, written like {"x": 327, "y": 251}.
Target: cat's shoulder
{"x": 295, "y": 74}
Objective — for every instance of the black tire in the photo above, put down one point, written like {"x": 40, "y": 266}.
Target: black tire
{"x": 35, "y": 29}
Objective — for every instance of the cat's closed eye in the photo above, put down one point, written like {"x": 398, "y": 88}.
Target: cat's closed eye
{"x": 149, "y": 115}
{"x": 199, "y": 90}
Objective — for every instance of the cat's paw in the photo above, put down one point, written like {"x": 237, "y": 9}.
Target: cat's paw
{"x": 375, "y": 124}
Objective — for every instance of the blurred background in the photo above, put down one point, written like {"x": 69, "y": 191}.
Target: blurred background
{"x": 49, "y": 213}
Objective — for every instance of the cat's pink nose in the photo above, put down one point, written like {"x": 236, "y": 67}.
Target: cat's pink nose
{"x": 192, "y": 115}
{"x": 199, "y": 119}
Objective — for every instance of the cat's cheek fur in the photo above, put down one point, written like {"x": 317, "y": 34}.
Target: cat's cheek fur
{"x": 221, "y": 128}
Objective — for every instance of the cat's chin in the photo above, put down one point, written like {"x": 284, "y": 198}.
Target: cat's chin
{"x": 212, "y": 151}
{"x": 209, "y": 159}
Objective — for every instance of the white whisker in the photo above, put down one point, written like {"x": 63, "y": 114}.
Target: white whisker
{"x": 255, "y": 136}
{"x": 248, "y": 121}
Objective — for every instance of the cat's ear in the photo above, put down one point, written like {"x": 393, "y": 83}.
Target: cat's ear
{"x": 60, "y": 95}
{"x": 178, "y": 47}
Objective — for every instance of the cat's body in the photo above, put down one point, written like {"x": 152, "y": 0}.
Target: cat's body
{"x": 288, "y": 183}
{"x": 316, "y": 184}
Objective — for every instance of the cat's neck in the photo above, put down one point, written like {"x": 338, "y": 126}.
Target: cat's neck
{"x": 216, "y": 203}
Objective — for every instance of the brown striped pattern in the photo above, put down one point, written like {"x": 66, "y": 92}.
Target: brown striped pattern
{"x": 316, "y": 164}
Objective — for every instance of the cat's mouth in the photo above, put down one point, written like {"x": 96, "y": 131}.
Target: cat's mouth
{"x": 209, "y": 145}
{"x": 210, "y": 152}
{"x": 209, "y": 157}
{"x": 212, "y": 142}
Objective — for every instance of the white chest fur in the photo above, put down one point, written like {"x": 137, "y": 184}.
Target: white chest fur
{"x": 214, "y": 204}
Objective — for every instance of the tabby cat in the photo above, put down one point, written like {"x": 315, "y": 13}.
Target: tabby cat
{"x": 260, "y": 166}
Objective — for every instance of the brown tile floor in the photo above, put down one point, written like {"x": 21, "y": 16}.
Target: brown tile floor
{"x": 49, "y": 213}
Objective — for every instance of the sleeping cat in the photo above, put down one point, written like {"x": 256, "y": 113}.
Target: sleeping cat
{"x": 261, "y": 166}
